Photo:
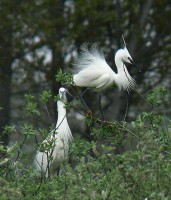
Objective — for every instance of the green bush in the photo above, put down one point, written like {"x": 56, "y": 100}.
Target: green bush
{"x": 96, "y": 170}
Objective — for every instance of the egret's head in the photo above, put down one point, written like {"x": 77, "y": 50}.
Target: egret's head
{"x": 62, "y": 94}
{"x": 124, "y": 55}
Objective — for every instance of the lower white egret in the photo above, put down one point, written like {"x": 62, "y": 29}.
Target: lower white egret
{"x": 92, "y": 70}
{"x": 55, "y": 147}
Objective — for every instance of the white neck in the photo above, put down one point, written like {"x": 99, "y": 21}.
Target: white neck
{"x": 123, "y": 78}
{"x": 61, "y": 112}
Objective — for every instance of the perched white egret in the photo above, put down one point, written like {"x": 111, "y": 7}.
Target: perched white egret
{"x": 55, "y": 147}
{"x": 92, "y": 70}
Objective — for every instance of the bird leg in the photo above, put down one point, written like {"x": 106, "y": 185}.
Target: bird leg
{"x": 83, "y": 101}
{"x": 80, "y": 97}
{"x": 100, "y": 107}
{"x": 84, "y": 91}
{"x": 126, "y": 111}
{"x": 58, "y": 171}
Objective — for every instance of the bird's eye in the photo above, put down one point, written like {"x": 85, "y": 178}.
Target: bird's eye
{"x": 129, "y": 59}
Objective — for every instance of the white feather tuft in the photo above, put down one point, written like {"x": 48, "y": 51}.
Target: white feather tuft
{"x": 88, "y": 56}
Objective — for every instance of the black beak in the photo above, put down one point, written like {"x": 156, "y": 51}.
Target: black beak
{"x": 132, "y": 62}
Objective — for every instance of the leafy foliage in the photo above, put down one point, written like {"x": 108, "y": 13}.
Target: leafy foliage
{"x": 45, "y": 96}
{"x": 95, "y": 169}
{"x": 31, "y": 106}
{"x": 64, "y": 78}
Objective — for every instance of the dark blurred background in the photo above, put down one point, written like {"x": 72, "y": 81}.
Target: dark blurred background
{"x": 38, "y": 37}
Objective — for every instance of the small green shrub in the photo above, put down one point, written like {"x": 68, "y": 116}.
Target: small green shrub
{"x": 96, "y": 170}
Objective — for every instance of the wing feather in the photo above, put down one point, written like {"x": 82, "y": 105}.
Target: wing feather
{"x": 92, "y": 58}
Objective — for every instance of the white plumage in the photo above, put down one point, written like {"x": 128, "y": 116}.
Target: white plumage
{"x": 56, "y": 146}
{"x": 92, "y": 70}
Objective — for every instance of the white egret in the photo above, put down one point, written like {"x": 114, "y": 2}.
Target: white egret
{"x": 92, "y": 70}
{"x": 55, "y": 147}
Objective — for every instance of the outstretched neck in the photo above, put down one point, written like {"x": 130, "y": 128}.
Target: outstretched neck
{"x": 119, "y": 64}
{"x": 123, "y": 79}
{"x": 61, "y": 112}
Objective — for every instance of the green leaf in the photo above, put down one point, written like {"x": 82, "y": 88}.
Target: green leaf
{"x": 28, "y": 130}
{"x": 64, "y": 78}
{"x": 9, "y": 129}
{"x": 45, "y": 96}
{"x": 31, "y": 107}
